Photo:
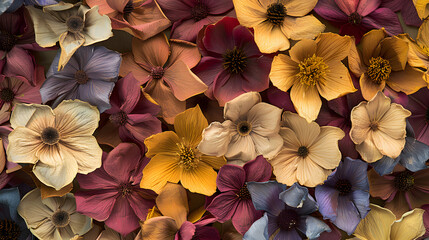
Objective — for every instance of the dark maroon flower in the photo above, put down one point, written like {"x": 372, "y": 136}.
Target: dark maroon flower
{"x": 418, "y": 104}
{"x": 407, "y": 8}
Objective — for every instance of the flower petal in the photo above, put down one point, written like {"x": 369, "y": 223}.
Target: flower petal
{"x": 201, "y": 179}
{"x": 410, "y": 226}
{"x": 265, "y": 196}
{"x": 249, "y": 13}
{"x": 230, "y": 178}
{"x": 306, "y": 101}
{"x": 162, "y": 228}
{"x": 270, "y": 38}
{"x": 376, "y": 225}
{"x": 161, "y": 169}
{"x": 189, "y": 125}
{"x": 306, "y": 27}
{"x": 216, "y": 138}
{"x": 172, "y": 201}
{"x": 324, "y": 151}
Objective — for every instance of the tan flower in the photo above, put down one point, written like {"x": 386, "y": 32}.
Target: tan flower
{"x": 314, "y": 67}
{"x": 58, "y": 142}
{"x": 53, "y": 218}
{"x": 277, "y": 21}
{"x": 422, "y": 7}
{"x": 378, "y": 128}
{"x": 309, "y": 152}
{"x": 72, "y": 25}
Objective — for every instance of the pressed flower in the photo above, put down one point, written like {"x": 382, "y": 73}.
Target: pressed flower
{"x": 287, "y": 212}
{"x": 234, "y": 201}
{"x": 280, "y": 99}
{"x": 275, "y": 22}
{"x": 378, "y": 128}
{"x": 89, "y": 76}
{"x": 5, "y": 129}
{"x": 356, "y": 17}
{"x": 53, "y": 218}
{"x": 231, "y": 64}
{"x": 112, "y": 193}
{"x": 419, "y": 106}
{"x": 383, "y": 60}
{"x": 309, "y": 152}
{"x": 73, "y": 25}
{"x": 344, "y": 197}
{"x": 403, "y": 190}
{"x": 105, "y": 233}
{"x": 422, "y": 8}
{"x": 163, "y": 69}
{"x": 380, "y": 224}
{"x": 175, "y": 157}
{"x": 251, "y": 128}
{"x": 12, "y": 226}
{"x": 189, "y": 17}
{"x": 314, "y": 67}
{"x": 407, "y": 8}
{"x": 426, "y": 220}
{"x": 142, "y": 19}
{"x": 58, "y": 142}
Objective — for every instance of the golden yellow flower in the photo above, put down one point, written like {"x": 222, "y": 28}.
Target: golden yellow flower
{"x": 422, "y": 8}
{"x": 378, "y": 128}
{"x": 277, "y": 21}
{"x": 314, "y": 67}
{"x": 309, "y": 152}
{"x": 175, "y": 157}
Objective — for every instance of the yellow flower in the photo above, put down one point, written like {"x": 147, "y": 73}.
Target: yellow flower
{"x": 422, "y": 8}
{"x": 314, "y": 67}
{"x": 277, "y": 21}
{"x": 309, "y": 152}
{"x": 378, "y": 128}
{"x": 380, "y": 224}
{"x": 175, "y": 156}
{"x": 58, "y": 142}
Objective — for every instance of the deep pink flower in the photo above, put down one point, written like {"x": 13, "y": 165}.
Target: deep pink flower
{"x": 418, "y": 104}
{"x": 235, "y": 202}
{"x": 407, "y": 8}
{"x": 189, "y": 16}
{"x": 232, "y": 63}
{"x": 356, "y": 17}
{"x": 132, "y": 117}
{"x": 112, "y": 193}
{"x": 280, "y": 99}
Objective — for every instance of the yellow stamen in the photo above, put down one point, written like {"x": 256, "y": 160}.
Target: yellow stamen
{"x": 188, "y": 157}
{"x": 312, "y": 70}
{"x": 379, "y": 70}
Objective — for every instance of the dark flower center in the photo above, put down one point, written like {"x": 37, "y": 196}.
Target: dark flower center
{"x": 157, "y": 72}
{"x": 9, "y": 230}
{"x": 276, "y": 13}
{"x": 7, "y": 95}
{"x": 303, "y": 151}
{"x": 373, "y": 126}
{"x": 60, "y": 218}
{"x": 343, "y": 186}
{"x": 7, "y": 41}
{"x": 119, "y": 118}
{"x": 81, "y": 77}
{"x": 50, "y": 136}
{"x": 379, "y": 70}
{"x": 355, "y": 18}
{"x": 128, "y": 9}
{"x": 244, "y": 128}
{"x": 404, "y": 181}
{"x": 187, "y": 158}
{"x": 288, "y": 219}
{"x": 199, "y": 11}
{"x": 125, "y": 189}
{"x": 75, "y": 24}
{"x": 243, "y": 193}
{"x": 234, "y": 60}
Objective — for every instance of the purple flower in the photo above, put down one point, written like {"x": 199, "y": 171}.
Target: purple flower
{"x": 418, "y": 104}
{"x": 12, "y": 225}
{"x": 90, "y": 76}
{"x": 344, "y": 197}
{"x": 407, "y": 8}
{"x": 234, "y": 202}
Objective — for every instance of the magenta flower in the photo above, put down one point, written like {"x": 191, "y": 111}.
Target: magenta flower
{"x": 132, "y": 117}
{"x": 418, "y": 104}
{"x": 232, "y": 63}
{"x": 190, "y": 16}
{"x": 112, "y": 193}
{"x": 356, "y": 17}
{"x": 407, "y": 8}
{"x": 235, "y": 202}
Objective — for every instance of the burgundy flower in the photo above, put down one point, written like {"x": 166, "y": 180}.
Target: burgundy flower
{"x": 235, "y": 202}
{"x": 407, "y": 8}
{"x": 112, "y": 193}
{"x": 418, "y": 104}
{"x": 232, "y": 63}
{"x": 189, "y": 16}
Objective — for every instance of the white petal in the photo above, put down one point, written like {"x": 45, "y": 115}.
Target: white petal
{"x": 267, "y": 146}
{"x": 216, "y": 138}
{"x": 241, "y": 148}
{"x": 265, "y": 119}
{"x": 238, "y": 108}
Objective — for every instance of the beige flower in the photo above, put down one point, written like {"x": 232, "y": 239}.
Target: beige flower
{"x": 58, "y": 142}
{"x": 53, "y": 218}
{"x": 378, "y": 128}
{"x": 309, "y": 152}
{"x": 72, "y": 25}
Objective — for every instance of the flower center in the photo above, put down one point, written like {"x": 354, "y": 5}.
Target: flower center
{"x": 243, "y": 193}
{"x": 244, "y": 128}
{"x": 81, "y": 77}
{"x": 303, "y": 151}
{"x": 75, "y": 24}
{"x": 7, "y": 41}
{"x": 60, "y": 218}
{"x": 343, "y": 186}
{"x": 276, "y": 13}
{"x": 50, "y": 136}
{"x": 373, "y": 126}
{"x": 119, "y": 118}
{"x": 355, "y": 18}
{"x": 234, "y": 60}
{"x": 157, "y": 73}
{"x": 125, "y": 189}
{"x": 199, "y": 11}
{"x": 312, "y": 70}
{"x": 379, "y": 69}
{"x": 7, "y": 95}
{"x": 9, "y": 230}
{"x": 287, "y": 219}
{"x": 187, "y": 157}
{"x": 404, "y": 181}
{"x": 128, "y": 9}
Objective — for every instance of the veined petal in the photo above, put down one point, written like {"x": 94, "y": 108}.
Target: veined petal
{"x": 23, "y": 113}
{"x": 284, "y": 70}
{"x": 306, "y": 27}
{"x": 299, "y": 8}
{"x": 368, "y": 150}
{"x": 387, "y": 145}
{"x": 172, "y": 201}
{"x": 249, "y": 13}
{"x": 216, "y": 138}
{"x": 86, "y": 152}
{"x": 201, "y": 179}
{"x": 324, "y": 151}
{"x": 189, "y": 125}
{"x": 410, "y": 226}
{"x": 337, "y": 82}
{"x": 23, "y": 146}
{"x": 310, "y": 174}
{"x": 305, "y": 132}
{"x": 97, "y": 27}
{"x": 376, "y": 225}
{"x": 162, "y": 228}
{"x": 360, "y": 123}
{"x": 162, "y": 143}
{"x": 238, "y": 108}
{"x": 306, "y": 101}
{"x": 69, "y": 43}
{"x": 270, "y": 38}
{"x": 161, "y": 169}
